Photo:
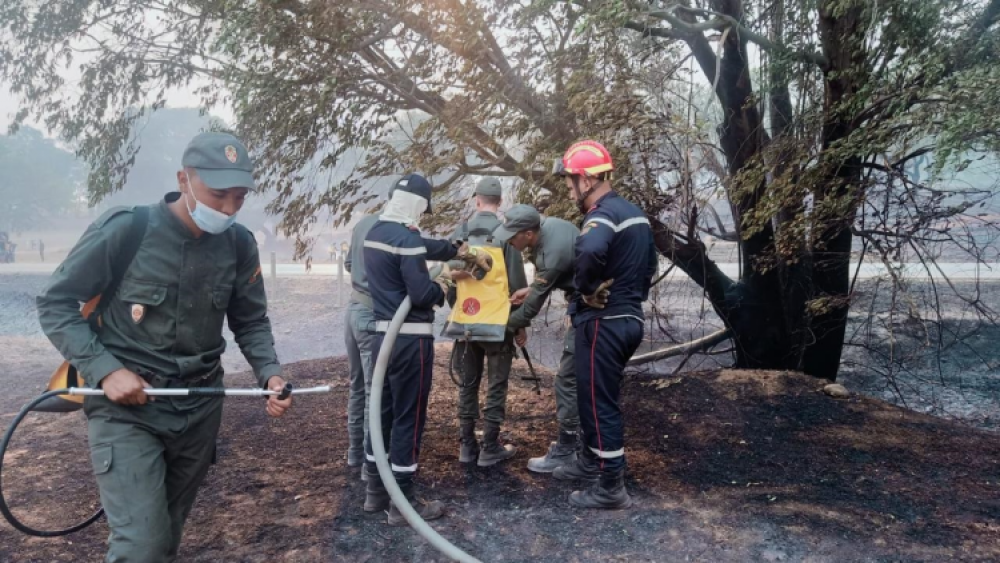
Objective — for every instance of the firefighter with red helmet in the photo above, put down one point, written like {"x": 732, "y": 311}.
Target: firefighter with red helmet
{"x": 616, "y": 261}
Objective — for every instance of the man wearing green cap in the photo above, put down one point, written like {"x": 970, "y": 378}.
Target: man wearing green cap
{"x": 552, "y": 242}
{"x": 498, "y": 356}
{"x": 193, "y": 268}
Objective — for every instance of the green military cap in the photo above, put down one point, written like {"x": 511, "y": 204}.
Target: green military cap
{"x": 221, "y": 160}
{"x": 518, "y": 218}
{"x": 489, "y": 186}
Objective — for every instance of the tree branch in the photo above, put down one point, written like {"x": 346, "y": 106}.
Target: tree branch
{"x": 691, "y": 257}
{"x": 687, "y": 348}
{"x": 681, "y": 29}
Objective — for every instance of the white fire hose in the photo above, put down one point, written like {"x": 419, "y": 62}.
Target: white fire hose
{"x": 378, "y": 447}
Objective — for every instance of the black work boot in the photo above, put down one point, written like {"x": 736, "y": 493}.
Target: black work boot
{"x": 493, "y": 451}
{"x": 608, "y": 492}
{"x": 468, "y": 449}
{"x": 376, "y": 497}
{"x": 560, "y": 453}
{"x": 585, "y": 469}
{"x": 427, "y": 510}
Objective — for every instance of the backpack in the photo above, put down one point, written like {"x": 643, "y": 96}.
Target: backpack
{"x": 482, "y": 306}
{"x": 66, "y": 375}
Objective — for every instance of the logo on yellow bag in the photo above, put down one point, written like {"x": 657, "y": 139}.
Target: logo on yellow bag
{"x": 471, "y": 306}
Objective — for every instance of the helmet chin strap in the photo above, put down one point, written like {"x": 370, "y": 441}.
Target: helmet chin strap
{"x": 581, "y": 198}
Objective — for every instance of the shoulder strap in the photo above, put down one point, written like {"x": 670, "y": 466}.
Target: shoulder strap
{"x": 241, "y": 246}
{"x": 136, "y": 232}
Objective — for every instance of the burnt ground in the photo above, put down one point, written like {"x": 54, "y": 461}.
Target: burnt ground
{"x": 724, "y": 466}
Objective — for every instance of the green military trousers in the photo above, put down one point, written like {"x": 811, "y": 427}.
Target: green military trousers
{"x": 567, "y": 411}
{"x": 149, "y": 461}
{"x": 497, "y": 357}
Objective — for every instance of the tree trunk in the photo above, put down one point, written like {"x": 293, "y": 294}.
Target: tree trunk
{"x": 758, "y": 325}
{"x": 768, "y": 310}
{"x": 832, "y": 277}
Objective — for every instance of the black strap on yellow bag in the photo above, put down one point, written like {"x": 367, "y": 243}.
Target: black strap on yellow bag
{"x": 66, "y": 375}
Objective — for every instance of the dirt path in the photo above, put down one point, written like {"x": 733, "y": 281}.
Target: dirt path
{"x": 725, "y": 466}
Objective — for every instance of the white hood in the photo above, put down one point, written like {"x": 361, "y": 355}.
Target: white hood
{"x": 405, "y": 208}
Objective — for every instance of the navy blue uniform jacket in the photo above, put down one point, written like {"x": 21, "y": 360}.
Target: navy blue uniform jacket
{"x": 616, "y": 242}
{"x": 396, "y": 264}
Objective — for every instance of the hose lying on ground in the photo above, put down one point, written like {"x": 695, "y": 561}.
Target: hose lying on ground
{"x": 183, "y": 392}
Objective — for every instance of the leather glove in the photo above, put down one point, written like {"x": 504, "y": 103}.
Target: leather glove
{"x": 474, "y": 258}
{"x": 599, "y": 298}
{"x": 443, "y": 279}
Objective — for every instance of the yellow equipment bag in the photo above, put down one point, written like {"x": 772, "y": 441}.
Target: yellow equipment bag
{"x": 482, "y": 306}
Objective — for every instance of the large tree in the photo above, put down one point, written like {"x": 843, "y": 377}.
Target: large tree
{"x": 817, "y": 109}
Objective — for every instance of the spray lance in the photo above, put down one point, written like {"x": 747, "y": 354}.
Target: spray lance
{"x": 218, "y": 392}
{"x": 531, "y": 368}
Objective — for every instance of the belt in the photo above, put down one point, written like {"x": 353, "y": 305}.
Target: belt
{"x": 164, "y": 382}
{"x": 361, "y": 298}
{"x": 420, "y": 329}
{"x": 636, "y": 317}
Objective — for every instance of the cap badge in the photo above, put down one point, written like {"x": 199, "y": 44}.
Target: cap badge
{"x": 231, "y": 154}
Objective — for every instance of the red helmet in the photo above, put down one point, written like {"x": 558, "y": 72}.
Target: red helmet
{"x": 587, "y": 158}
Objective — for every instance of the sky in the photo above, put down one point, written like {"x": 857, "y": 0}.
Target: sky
{"x": 9, "y": 104}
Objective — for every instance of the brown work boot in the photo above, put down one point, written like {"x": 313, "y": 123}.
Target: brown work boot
{"x": 426, "y": 510}
{"x": 468, "y": 449}
{"x": 493, "y": 451}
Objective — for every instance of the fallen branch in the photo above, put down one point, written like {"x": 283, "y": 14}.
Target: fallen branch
{"x": 691, "y": 347}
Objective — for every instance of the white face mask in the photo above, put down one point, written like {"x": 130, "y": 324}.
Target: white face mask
{"x": 207, "y": 219}
{"x": 404, "y": 207}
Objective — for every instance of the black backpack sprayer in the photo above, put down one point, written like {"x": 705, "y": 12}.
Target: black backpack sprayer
{"x": 68, "y": 399}
{"x": 65, "y": 392}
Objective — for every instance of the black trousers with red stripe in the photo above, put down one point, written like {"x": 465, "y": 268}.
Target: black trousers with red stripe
{"x": 603, "y": 347}
{"x": 405, "y": 392}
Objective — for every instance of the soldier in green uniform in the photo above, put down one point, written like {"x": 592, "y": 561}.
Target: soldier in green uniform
{"x": 193, "y": 269}
{"x": 552, "y": 242}
{"x": 498, "y": 356}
